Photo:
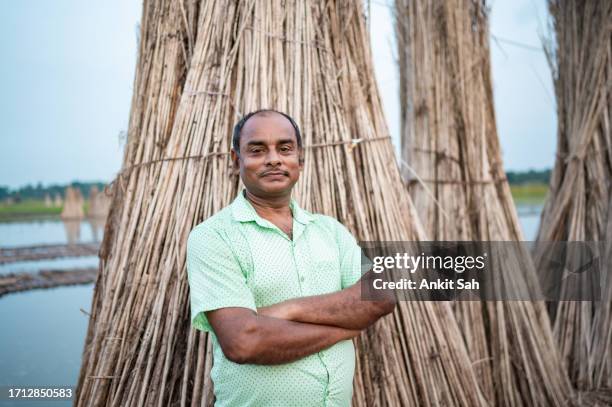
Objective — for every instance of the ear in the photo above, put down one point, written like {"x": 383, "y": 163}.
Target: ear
{"x": 235, "y": 161}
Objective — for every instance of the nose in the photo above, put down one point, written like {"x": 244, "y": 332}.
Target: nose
{"x": 272, "y": 158}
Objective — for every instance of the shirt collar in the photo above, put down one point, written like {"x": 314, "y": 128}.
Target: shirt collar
{"x": 243, "y": 211}
{"x": 300, "y": 214}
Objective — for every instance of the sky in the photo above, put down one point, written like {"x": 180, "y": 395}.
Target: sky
{"x": 67, "y": 78}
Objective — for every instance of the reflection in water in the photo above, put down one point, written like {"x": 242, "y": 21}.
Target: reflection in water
{"x": 32, "y": 233}
{"x": 73, "y": 230}
{"x": 97, "y": 228}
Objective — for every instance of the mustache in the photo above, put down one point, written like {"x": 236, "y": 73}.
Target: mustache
{"x": 264, "y": 173}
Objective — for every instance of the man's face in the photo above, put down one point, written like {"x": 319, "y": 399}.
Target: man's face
{"x": 269, "y": 160}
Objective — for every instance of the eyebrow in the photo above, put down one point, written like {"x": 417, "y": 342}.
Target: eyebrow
{"x": 261, "y": 143}
{"x": 255, "y": 143}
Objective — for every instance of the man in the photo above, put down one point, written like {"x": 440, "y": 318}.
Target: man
{"x": 275, "y": 285}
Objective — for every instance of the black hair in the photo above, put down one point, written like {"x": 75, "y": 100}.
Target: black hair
{"x": 238, "y": 128}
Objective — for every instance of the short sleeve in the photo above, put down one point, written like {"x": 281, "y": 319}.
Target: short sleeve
{"x": 350, "y": 256}
{"x": 215, "y": 277}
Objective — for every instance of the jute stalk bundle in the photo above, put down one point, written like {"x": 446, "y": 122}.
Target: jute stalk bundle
{"x": 453, "y": 166}
{"x": 579, "y": 204}
{"x": 73, "y": 205}
{"x": 201, "y": 66}
{"x": 93, "y": 196}
{"x": 99, "y": 203}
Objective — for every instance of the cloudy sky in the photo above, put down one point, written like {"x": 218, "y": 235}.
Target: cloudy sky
{"x": 68, "y": 68}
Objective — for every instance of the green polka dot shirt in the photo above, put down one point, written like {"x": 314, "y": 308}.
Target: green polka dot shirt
{"x": 238, "y": 259}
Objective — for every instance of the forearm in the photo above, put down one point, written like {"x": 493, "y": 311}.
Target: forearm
{"x": 344, "y": 309}
{"x": 275, "y": 341}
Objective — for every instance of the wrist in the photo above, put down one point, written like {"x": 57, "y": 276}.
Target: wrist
{"x": 292, "y": 310}
{"x": 351, "y": 333}
{"x": 283, "y": 310}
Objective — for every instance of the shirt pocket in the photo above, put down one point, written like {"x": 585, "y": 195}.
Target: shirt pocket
{"x": 325, "y": 261}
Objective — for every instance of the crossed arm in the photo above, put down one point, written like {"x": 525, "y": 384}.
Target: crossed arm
{"x": 296, "y": 328}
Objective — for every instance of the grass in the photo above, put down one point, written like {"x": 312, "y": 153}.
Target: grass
{"x": 30, "y": 210}
{"x": 533, "y": 193}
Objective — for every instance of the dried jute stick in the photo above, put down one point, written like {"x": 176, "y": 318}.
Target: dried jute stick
{"x": 455, "y": 175}
{"x": 578, "y": 204}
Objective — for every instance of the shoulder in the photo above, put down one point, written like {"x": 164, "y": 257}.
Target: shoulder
{"x": 331, "y": 225}
{"x": 326, "y": 221}
{"x": 213, "y": 228}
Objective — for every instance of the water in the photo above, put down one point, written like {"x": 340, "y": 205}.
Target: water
{"x": 13, "y": 234}
{"x": 529, "y": 218}
{"x": 55, "y": 264}
{"x": 43, "y": 331}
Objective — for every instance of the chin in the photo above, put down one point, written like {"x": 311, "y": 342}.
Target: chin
{"x": 279, "y": 189}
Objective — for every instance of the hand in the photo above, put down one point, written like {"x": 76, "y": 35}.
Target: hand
{"x": 352, "y": 333}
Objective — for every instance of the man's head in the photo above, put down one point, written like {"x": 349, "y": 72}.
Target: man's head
{"x": 267, "y": 149}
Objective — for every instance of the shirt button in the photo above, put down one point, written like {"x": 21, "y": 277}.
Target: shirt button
{"x": 302, "y": 279}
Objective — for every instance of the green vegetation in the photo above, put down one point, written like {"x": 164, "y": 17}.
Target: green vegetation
{"x": 529, "y": 187}
{"x": 528, "y": 177}
{"x": 30, "y": 209}
{"x": 38, "y": 192}
{"x": 27, "y": 203}
{"x": 534, "y": 193}
{"x": 27, "y": 209}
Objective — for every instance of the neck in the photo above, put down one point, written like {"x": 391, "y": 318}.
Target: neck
{"x": 269, "y": 205}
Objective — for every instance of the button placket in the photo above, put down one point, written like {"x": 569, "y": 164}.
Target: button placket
{"x": 300, "y": 277}
{"x": 326, "y": 395}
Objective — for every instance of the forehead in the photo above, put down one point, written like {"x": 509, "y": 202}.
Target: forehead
{"x": 267, "y": 124}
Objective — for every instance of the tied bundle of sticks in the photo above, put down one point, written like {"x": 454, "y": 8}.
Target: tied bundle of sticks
{"x": 452, "y": 163}
{"x": 579, "y": 205}
{"x": 201, "y": 66}
{"x": 73, "y": 205}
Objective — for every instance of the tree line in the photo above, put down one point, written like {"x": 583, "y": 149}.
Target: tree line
{"x": 529, "y": 177}
{"x": 39, "y": 191}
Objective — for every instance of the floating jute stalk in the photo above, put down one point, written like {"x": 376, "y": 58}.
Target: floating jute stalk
{"x": 579, "y": 204}
{"x": 201, "y": 66}
{"x": 453, "y": 167}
